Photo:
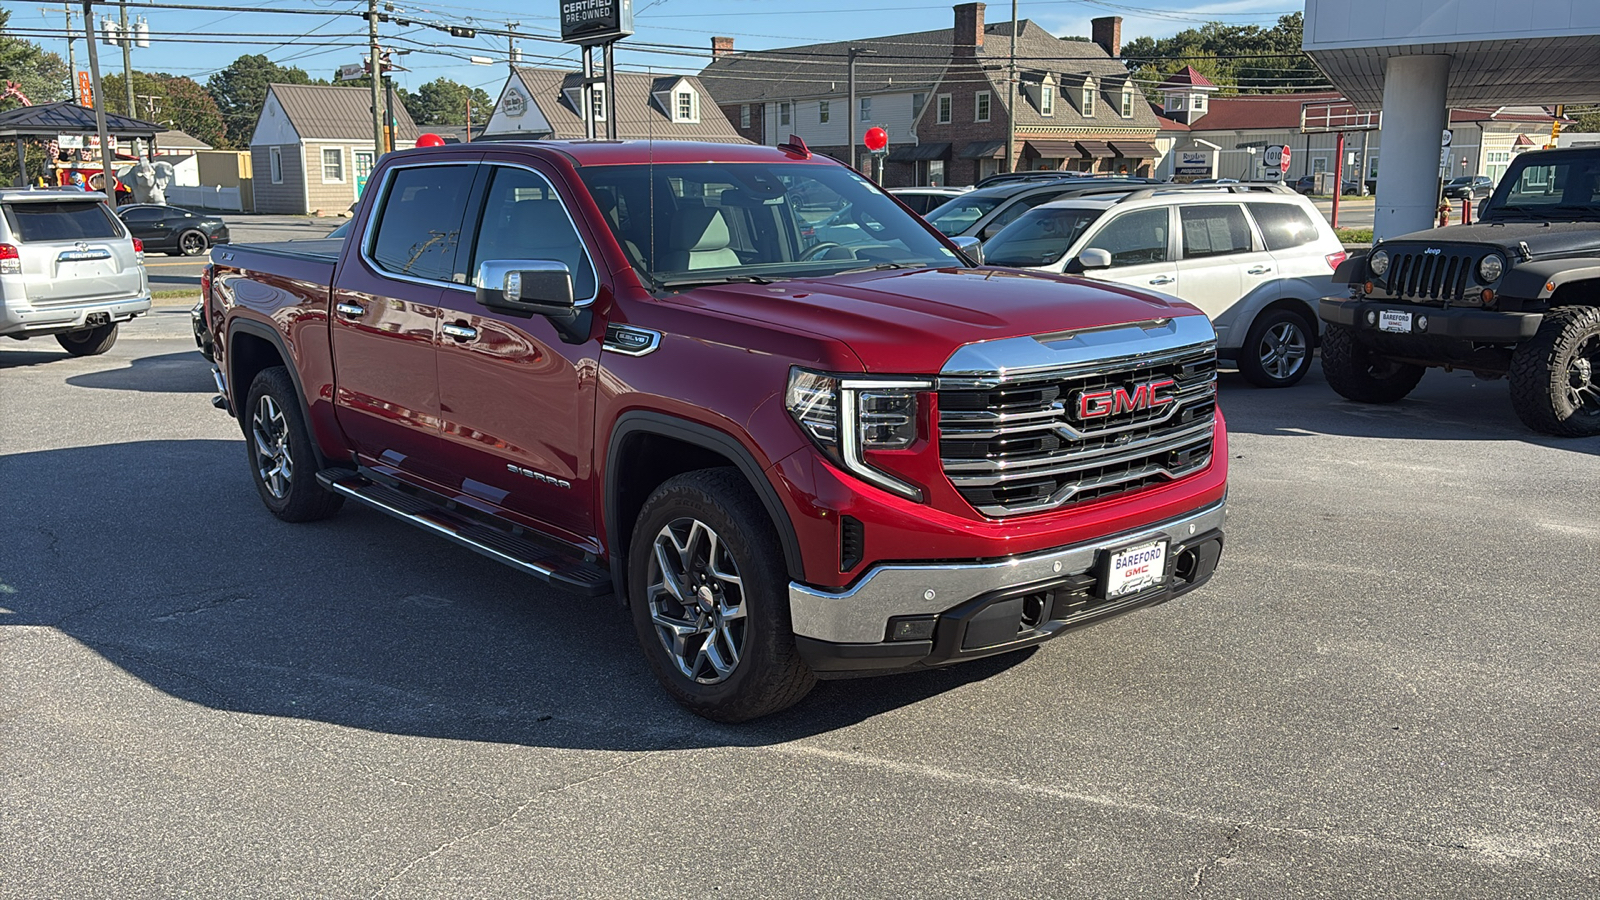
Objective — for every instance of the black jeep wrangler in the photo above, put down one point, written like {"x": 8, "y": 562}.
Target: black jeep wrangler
{"x": 1516, "y": 295}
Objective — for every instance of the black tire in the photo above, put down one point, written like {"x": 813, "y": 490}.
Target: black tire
{"x": 1277, "y": 350}
{"x": 767, "y": 673}
{"x": 273, "y": 410}
{"x": 88, "y": 341}
{"x": 192, "y": 243}
{"x": 1363, "y": 376}
{"x": 1555, "y": 377}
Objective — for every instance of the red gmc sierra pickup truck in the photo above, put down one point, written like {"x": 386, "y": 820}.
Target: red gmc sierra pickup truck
{"x": 798, "y": 432}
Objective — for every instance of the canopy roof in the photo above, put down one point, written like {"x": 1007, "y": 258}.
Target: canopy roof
{"x": 51, "y": 119}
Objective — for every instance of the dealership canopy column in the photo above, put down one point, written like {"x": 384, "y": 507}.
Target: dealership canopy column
{"x": 1420, "y": 58}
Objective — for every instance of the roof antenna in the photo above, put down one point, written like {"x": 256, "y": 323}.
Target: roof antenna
{"x": 796, "y": 146}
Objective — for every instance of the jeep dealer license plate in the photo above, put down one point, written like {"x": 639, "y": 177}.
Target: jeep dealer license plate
{"x": 1134, "y": 569}
{"x": 1394, "y": 320}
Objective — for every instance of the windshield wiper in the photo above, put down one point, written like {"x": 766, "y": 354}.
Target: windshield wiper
{"x": 884, "y": 267}
{"x": 693, "y": 280}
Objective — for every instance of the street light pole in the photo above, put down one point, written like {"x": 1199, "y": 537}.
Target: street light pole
{"x": 127, "y": 55}
{"x": 850, "y": 104}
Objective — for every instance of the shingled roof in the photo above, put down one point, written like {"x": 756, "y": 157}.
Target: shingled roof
{"x": 639, "y": 116}
{"x": 328, "y": 113}
{"x": 68, "y": 118}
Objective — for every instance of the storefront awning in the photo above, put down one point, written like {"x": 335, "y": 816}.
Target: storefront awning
{"x": 1053, "y": 149}
{"x": 1135, "y": 149}
{"x": 984, "y": 150}
{"x": 1096, "y": 149}
{"x": 919, "y": 152}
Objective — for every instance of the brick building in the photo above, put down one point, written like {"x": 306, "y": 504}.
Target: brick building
{"x": 941, "y": 96}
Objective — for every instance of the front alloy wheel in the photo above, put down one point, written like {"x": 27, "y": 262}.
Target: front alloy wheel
{"x": 696, "y": 601}
{"x": 269, "y": 429}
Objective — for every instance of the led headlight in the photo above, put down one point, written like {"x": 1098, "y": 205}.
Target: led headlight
{"x": 847, "y": 415}
{"x": 1490, "y": 268}
{"x": 1378, "y": 263}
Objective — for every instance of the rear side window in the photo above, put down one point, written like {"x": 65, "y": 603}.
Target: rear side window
{"x": 61, "y": 220}
{"x": 419, "y": 226}
{"x": 1283, "y": 225}
{"x": 1214, "y": 230}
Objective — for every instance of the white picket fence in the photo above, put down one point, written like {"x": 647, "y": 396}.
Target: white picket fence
{"x": 219, "y": 198}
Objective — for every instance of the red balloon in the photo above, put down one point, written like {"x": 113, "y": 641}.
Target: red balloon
{"x": 876, "y": 139}
{"x": 430, "y": 140}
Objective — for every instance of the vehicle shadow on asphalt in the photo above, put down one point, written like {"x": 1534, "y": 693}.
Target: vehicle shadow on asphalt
{"x": 186, "y": 372}
{"x": 1446, "y": 406}
{"x": 360, "y": 621}
{"x": 16, "y": 359}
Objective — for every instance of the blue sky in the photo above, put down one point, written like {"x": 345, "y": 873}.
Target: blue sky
{"x": 197, "y": 42}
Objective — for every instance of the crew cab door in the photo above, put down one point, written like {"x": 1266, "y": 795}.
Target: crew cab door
{"x": 516, "y": 401}
{"x": 385, "y": 317}
{"x": 1140, "y": 244}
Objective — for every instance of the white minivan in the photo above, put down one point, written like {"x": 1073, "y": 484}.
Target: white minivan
{"x": 1255, "y": 258}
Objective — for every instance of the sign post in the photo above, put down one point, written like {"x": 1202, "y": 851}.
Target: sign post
{"x": 591, "y": 23}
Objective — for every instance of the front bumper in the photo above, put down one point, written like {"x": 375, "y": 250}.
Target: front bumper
{"x": 983, "y": 607}
{"x": 1485, "y": 326}
{"x": 30, "y": 321}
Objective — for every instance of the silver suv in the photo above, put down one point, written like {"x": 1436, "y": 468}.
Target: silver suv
{"x": 68, "y": 267}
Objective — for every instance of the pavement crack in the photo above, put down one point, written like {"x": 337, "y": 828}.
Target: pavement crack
{"x": 505, "y": 820}
{"x": 1230, "y": 846}
{"x": 204, "y": 607}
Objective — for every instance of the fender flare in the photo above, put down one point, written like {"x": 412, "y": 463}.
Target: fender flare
{"x": 273, "y": 337}
{"x": 1530, "y": 279}
{"x": 650, "y": 422}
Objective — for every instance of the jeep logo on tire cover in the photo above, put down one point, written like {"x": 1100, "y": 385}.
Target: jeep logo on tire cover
{"x": 1119, "y": 400}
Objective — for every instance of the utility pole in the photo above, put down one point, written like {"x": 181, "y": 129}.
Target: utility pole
{"x": 1011, "y": 96}
{"x": 512, "y": 57}
{"x": 127, "y": 55}
{"x": 850, "y": 104}
{"x": 72, "y": 54}
{"x": 377, "y": 89}
{"x": 99, "y": 105}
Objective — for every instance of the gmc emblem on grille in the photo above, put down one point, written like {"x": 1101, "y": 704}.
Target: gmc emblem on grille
{"x": 1118, "y": 400}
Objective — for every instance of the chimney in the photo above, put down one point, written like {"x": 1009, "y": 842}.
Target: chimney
{"x": 1107, "y": 32}
{"x": 968, "y": 37}
{"x": 721, "y": 46}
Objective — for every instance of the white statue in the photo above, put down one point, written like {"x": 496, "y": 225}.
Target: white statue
{"x": 150, "y": 181}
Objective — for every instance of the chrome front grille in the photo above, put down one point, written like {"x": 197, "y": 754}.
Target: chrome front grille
{"x": 1020, "y": 445}
{"x": 1430, "y": 276}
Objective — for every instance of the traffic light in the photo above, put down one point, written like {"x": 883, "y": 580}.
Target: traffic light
{"x": 459, "y": 31}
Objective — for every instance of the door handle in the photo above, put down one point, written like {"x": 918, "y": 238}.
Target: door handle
{"x": 350, "y": 310}
{"x": 460, "y": 332}
{"x": 1163, "y": 279}
{"x": 1258, "y": 270}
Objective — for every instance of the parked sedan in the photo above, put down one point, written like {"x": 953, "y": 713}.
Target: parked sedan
{"x": 1469, "y": 187}
{"x": 172, "y": 230}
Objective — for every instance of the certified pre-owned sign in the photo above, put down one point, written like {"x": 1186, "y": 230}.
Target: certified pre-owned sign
{"x": 595, "y": 21}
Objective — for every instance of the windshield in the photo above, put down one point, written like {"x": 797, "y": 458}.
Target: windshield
{"x": 706, "y": 222}
{"x": 1555, "y": 188}
{"x": 959, "y": 214}
{"x": 1039, "y": 238}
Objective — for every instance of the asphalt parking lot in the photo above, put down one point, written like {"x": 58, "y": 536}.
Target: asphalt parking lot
{"x": 1389, "y": 690}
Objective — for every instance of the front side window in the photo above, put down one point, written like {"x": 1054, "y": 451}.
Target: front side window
{"x": 944, "y": 109}
{"x": 822, "y": 111}
{"x": 1134, "y": 238}
{"x": 1283, "y": 225}
{"x": 959, "y": 214}
{"x": 332, "y": 165}
{"x": 416, "y": 236}
{"x": 980, "y": 104}
{"x": 524, "y": 219}
{"x": 692, "y": 223}
{"x": 1214, "y": 230}
{"x": 1039, "y": 238}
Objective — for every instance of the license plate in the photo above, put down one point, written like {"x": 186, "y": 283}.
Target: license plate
{"x": 1394, "y": 320}
{"x": 1134, "y": 569}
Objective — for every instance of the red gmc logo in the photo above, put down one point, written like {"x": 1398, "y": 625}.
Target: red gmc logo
{"x": 1115, "y": 401}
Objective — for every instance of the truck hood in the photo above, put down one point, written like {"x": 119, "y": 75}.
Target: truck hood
{"x": 910, "y": 322}
{"x": 1544, "y": 239}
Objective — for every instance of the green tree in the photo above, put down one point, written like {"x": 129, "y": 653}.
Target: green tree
{"x": 240, "y": 90}
{"x": 40, "y": 76}
{"x": 444, "y": 102}
{"x": 1586, "y": 121}
{"x": 174, "y": 101}
{"x": 1245, "y": 59}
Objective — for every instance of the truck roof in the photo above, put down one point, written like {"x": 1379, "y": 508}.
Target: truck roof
{"x": 621, "y": 153}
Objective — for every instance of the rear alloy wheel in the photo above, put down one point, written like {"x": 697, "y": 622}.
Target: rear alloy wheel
{"x": 282, "y": 462}
{"x": 1277, "y": 351}
{"x": 1361, "y": 375}
{"x": 709, "y": 599}
{"x": 88, "y": 341}
{"x": 191, "y": 243}
{"x": 1555, "y": 377}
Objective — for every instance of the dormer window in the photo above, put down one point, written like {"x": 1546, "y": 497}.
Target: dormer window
{"x": 1047, "y": 100}
{"x": 1175, "y": 102}
{"x": 685, "y": 107}
{"x": 1127, "y": 101}
{"x": 1088, "y": 98}
{"x": 1200, "y": 103}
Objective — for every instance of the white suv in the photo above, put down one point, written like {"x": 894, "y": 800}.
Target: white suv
{"x": 1255, "y": 258}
